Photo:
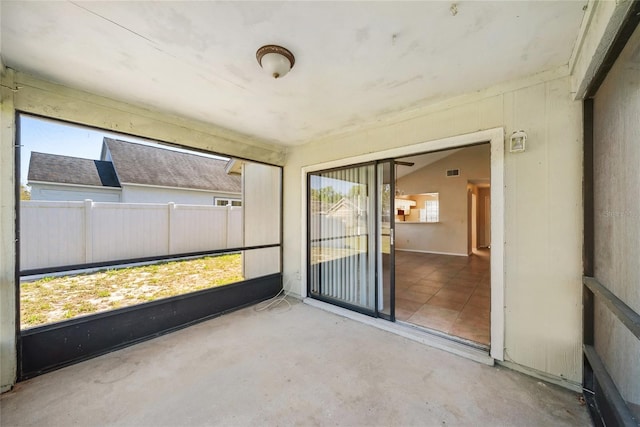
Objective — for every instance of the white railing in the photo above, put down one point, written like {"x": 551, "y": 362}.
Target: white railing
{"x": 56, "y": 234}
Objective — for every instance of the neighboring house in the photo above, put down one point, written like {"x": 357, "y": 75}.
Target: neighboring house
{"x": 134, "y": 173}
{"x": 64, "y": 178}
{"x": 349, "y": 213}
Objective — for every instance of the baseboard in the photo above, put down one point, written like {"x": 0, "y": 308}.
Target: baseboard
{"x": 553, "y": 379}
{"x": 432, "y": 252}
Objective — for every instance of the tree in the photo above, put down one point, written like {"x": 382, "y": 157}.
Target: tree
{"x": 25, "y": 194}
{"x": 325, "y": 194}
{"x": 357, "y": 190}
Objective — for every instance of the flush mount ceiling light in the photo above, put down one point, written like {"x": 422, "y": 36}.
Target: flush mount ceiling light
{"x": 275, "y": 60}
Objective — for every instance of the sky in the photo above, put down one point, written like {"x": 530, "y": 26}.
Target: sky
{"x": 53, "y": 137}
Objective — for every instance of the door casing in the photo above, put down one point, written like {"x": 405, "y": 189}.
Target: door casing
{"x": 493, "y": 136}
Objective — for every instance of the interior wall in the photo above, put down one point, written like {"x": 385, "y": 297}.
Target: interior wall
{"x": 617, "y": 215}
{"x": 543, "y": 209}
{"x": 483, "y": 229}
{"x": 472, "y": 192}
{"x": 450, "y": 234}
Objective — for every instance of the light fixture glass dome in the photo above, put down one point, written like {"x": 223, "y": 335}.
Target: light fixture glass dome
{"x": 275, "y": 60}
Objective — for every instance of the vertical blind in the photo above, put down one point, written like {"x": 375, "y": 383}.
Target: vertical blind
{"x": 342, "y": 235}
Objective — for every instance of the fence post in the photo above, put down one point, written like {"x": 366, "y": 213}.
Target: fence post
{"x": 226, "y": 226}
{"x": 88, "y": 231}
{"x": 171, "y": 206}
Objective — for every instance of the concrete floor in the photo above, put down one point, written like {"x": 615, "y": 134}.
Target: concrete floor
{"x": 300, "y": 366}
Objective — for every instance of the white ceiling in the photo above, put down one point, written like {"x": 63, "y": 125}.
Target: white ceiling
{"x": 355, "y": 61}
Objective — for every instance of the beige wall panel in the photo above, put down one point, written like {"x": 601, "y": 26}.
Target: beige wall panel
{"x": 47, "y": 99}
{"x": 543, "y": 212}
{"x": 543, "y": 233}
{"x": 261, "y": 204}
{"x": 261, "y": 191}
{"x": 260, "y": 262}
{"x": 7, "y": 235}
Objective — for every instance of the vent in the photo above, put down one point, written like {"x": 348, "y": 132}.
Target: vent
{"x": 453, "y": 172}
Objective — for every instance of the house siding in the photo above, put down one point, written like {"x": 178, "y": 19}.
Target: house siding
{"x": 62, "y": 193}
{"x": 148, "y": 194}
{"x": 543, "y": 210}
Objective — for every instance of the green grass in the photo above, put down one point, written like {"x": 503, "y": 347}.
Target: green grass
{"x": 52, "y": 299}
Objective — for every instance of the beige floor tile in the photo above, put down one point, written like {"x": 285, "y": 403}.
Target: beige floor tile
{"x": 419, "y": 297}
{"x": 433, "y": 317}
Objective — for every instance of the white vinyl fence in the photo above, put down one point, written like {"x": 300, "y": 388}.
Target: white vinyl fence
{"x": 56, "y": 234}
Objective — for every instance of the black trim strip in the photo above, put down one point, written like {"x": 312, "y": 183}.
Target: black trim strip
{"x": 324, "y": 239}
{"x": 62, "y": 268}
{"x": 50, "y": 347}
{"x": 16, "y": 257}
{"x": 588, "y": 189}
{"x": 606, "y": 395}
{"x": 340, "y": 303}
{"x": 627, "y": 316}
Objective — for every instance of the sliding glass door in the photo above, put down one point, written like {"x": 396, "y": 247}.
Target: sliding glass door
{"x": 349, "y": 244}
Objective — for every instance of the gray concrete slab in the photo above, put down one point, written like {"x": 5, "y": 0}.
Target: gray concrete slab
{"x": 297, "y": 366}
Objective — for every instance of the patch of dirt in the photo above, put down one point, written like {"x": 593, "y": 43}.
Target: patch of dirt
{"x": 52, "y": 299}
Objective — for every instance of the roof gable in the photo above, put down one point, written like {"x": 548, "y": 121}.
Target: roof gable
{"x": 147, "y": 165}
{"x": 71, "y": 170}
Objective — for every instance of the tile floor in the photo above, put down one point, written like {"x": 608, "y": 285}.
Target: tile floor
{"x": 450, "y": 294}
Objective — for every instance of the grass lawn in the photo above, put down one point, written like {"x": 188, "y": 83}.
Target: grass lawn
{"x": 52, "y": 299}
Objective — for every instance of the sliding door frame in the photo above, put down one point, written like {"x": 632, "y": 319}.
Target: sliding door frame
{"x": 493, "y": 136}
{"x": 308, "y": 269}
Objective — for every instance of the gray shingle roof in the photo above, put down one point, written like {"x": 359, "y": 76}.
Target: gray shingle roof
{"x": 71, "y": 170}
{"x": 143, "y": 164}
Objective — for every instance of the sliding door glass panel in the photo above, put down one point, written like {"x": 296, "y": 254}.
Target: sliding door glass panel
{"x": 385, "y": 240}
{"x": 342, "y": 236}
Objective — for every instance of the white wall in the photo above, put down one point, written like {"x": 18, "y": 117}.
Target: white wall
{"x": 70, "y": 193}
{"x": 149, "y": 194}
{"x": 543, "y": 212}
{"x": 261, "y": 188}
